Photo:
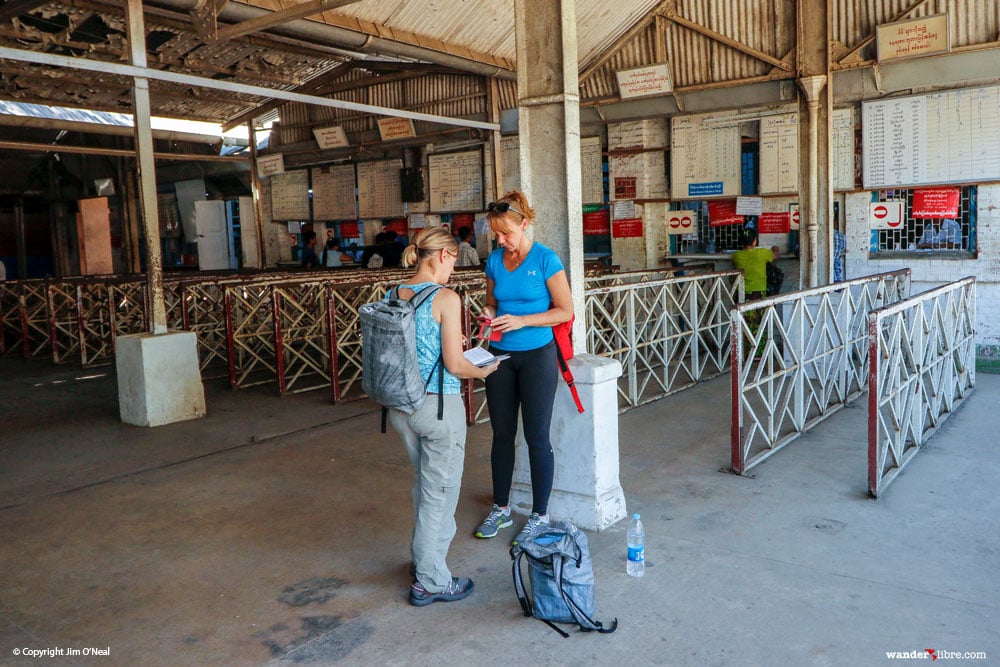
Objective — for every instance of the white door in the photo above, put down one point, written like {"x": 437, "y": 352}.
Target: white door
{"x": 248, "y": 234}
{"x": 213, "y": 241}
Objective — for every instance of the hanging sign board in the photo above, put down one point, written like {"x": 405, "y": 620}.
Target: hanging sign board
{"x": 644, "y": 81}
{"x": 349, "y": 230}
{"x": 773, "y": 223}
{"x": 396, "y": 128}
{"x": 885, "y": 215}
{"x": 917, "y": 37}
{"x": 936, "y": 203}
{"x": 270, "y": 165}
{"x": 331, "y": 137}
{"x": 627, "y": 229}
{"x": 723, "y": 212}
{"x": 749, "y": 205}
{"x": 681, "y": 222}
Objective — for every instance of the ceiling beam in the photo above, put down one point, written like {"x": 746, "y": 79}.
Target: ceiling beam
{"x": 13, "y": 8}
{"x": 204, "y": 14}
{"x": 310, "y": 8}
{"x": 114, "y": 152}
{"x": 728, "y": 41}
{"x": 213, "y": 84}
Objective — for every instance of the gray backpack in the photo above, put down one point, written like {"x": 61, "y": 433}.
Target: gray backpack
{"x": 561, "y": 575}
{"x": 390, "y": 373}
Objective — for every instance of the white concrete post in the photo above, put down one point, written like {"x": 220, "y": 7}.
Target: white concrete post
{"x": 586, "y": 490}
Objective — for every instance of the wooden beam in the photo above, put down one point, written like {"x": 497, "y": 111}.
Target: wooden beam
{"x": 267, "y": 21}
{"x": 871, "y": 37}
{"x": 28, "y": 147}
{"x": 204, "y": 15}
{"x": 728, "y": 41}
{"x": 13, "y": 8}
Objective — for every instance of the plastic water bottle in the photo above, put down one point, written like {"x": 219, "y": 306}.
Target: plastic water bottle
{"x": 636, "y": 548}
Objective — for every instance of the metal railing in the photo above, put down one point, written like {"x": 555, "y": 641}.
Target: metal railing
{"x": 668, "y": 334}
{"x": 798, "y": 358}
{"x": 922, "y": 354}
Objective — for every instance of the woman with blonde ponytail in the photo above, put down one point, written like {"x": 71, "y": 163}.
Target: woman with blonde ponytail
{"x": 436, "y": 447}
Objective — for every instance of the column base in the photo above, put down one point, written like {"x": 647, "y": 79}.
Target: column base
{"x": 159, "y": 381}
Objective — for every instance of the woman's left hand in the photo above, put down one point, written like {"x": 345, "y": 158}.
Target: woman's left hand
{"x": 506, "y": 323}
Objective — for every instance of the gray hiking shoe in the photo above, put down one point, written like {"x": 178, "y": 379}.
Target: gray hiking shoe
{"x": 534, "y": 523}
{"x": 458, "y": 589}
{"x": 493, "y": 522}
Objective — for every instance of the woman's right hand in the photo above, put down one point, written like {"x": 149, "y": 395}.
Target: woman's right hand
{"x": 487, "y": 370}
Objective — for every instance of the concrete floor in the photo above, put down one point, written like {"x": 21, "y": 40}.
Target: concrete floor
{"x": 276, "y": 531}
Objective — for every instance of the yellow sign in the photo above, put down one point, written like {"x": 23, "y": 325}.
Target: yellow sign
{"x": 917, "y": 37}
{"x": 644, "y": 81}
{"x": 395, "y": 128}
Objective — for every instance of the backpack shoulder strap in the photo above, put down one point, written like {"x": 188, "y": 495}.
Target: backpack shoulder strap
{"x": 586, "y": 623}
{"x": 418, "y": 299}
{"x": 570, "y": 382}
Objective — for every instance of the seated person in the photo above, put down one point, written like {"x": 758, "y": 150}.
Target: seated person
{"x": 948, "y": 236}
{"x": 331, "y": 254}
{"x": 467, "y": 255}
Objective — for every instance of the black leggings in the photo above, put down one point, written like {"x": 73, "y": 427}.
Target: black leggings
{"x": 527, "y": 381}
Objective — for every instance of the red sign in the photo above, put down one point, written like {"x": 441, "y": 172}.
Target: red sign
{"x": 459, "y": 220}
{"x": 349, "y": 230}
{"x": 773, "y": 223}
{"x": 794, "y": 223}
{"x": 936, "y": 203}
{"x": 627, "y": 229}
{"x": 723, "y": 212}
{"x": 398, "y": 225}
{"x": 680, "y": 222}
{"x": 596, "y": 223}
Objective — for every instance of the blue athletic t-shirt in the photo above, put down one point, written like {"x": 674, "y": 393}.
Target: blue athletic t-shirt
{"x": 523, "y": 292}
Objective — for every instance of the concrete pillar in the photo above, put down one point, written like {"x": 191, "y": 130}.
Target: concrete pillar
{"x": 159, "y": 380}
{"x": 586, "y": 489}
{"x": 549, "y": 133}
{"x": 815, "y": 138}
{"x": 637, "y": 172}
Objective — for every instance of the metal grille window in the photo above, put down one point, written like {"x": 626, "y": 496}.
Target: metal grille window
{"x": 907, "y": 237}
{"x": 706, "y": 238}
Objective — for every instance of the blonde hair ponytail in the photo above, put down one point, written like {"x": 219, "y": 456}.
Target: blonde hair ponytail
{"x": 429, "y": 241}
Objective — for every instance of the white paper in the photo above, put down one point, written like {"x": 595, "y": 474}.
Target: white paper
{"x": 480, "y": 356}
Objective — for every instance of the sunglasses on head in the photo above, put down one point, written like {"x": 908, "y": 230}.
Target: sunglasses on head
{"x": 503, "y": 207}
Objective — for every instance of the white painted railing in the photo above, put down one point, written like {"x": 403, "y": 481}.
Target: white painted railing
{"x": 798, "y": 358}
{"x": 667, "y": 334}
{"x": 922, "y": 354}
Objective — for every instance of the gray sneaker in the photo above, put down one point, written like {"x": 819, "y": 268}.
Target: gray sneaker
{"x": 458, "y": 589}
{"x": 493, "y": 522}
{"x": 534, "y": 523}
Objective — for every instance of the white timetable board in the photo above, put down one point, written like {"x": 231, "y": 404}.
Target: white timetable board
{"x": 704, "y": 157}
{"x": 456, "y": 181}
{"x": 592, "y": 176}
{"x": 510, "y": 164}
{"x": 379, "y": 191}
{"x": 333, "y": 192}
{"x": 290, "y": 195}
{"x": 843, "y": 149}
{"x": 946, "y": 137}
{"x": 779, "y": 154}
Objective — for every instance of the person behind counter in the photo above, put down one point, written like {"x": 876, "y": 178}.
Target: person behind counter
{"x": 309, "y": 258}
{"x": 467, "y": 255}
{"x": 436, "y": 448}
{"x": 753, "y": 261}
{"x": 527, "y": 292}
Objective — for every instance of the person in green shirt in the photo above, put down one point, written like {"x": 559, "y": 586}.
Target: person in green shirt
{"x": 752, "y": 261}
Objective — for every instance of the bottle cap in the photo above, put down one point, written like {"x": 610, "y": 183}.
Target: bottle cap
{"x": 635, "y": 516}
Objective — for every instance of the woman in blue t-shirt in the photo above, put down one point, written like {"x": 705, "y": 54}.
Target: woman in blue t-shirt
{"x": 527, "y": 292}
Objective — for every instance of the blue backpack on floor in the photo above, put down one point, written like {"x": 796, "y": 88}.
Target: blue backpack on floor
{"x": 562, "y": 577}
